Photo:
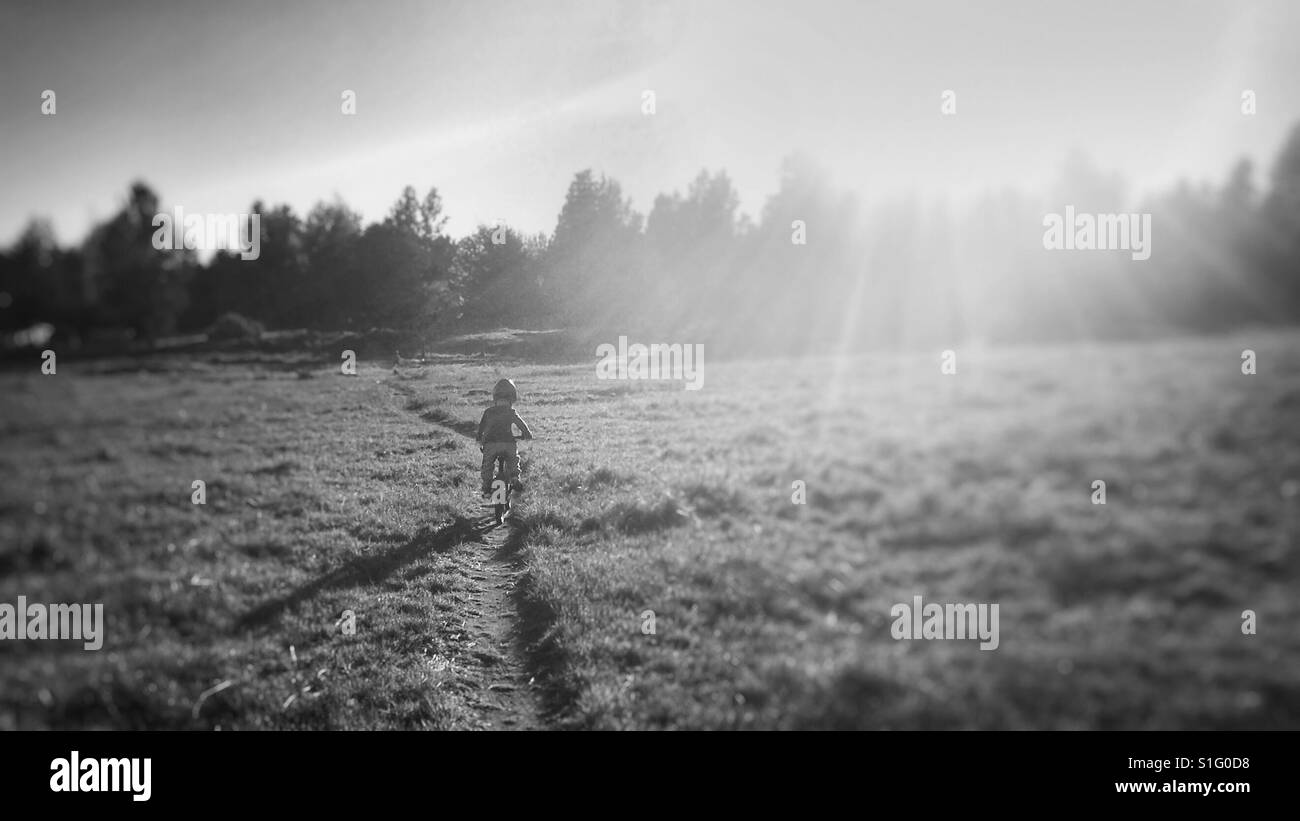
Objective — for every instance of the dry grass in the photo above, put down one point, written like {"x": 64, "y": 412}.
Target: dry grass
{"x": 337, "y": 492}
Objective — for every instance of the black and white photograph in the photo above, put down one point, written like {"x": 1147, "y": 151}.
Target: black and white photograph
{"x": 644, "y": 365}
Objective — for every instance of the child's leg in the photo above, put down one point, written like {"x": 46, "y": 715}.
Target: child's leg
{"x": 489, "y": 457}
{"x": 511, "y": 453}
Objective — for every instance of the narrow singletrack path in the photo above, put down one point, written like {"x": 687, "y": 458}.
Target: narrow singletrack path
{"x": 506, "y": 697}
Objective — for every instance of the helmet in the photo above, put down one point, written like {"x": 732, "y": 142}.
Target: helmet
{"x": 505, "y": 389}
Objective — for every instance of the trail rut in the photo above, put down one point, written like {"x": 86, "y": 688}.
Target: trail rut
{"x": 506, "y": 697}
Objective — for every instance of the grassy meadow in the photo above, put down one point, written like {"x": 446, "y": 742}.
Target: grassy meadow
{"x": 327, "y": 493}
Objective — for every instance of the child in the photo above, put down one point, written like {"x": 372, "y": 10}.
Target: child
{"x": 496, "y": 435}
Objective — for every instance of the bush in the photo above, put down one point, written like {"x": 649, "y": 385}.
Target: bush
{"x": 638, "y": 517}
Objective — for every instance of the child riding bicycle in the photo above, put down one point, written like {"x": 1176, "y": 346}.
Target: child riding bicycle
{"x": 496, "y": 436}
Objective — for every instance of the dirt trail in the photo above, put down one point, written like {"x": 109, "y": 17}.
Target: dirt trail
{"x": 501, "y": 690}
{"x": 507, "y": 701}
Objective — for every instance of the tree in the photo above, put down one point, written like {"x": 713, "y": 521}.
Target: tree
{"x": 331, "y": 236}
{"x": 798, "y": 264}
{"x": 692, "y": 244}
{"x": 593, "y": 265}
{"x": 270, "y": 289}
{"x": 407, "y": 266}
{"x": 136, "y": 285}
{"x": 497, "y": 271}
{"x": 1280, "y": 226}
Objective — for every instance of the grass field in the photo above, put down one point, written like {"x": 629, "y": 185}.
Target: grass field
{"x": 328, "y": 493}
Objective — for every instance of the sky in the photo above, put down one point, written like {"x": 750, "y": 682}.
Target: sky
{"x": 498, "y": 104}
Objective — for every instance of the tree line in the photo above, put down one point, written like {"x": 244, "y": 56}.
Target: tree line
{"x": 818, "y": 270}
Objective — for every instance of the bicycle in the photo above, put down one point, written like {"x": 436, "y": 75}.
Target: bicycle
{"x": 499, "y": 501}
